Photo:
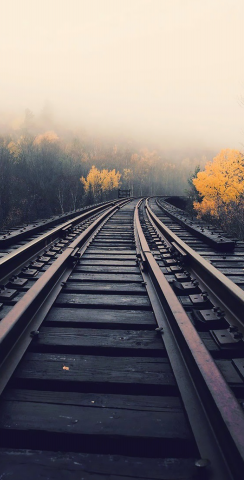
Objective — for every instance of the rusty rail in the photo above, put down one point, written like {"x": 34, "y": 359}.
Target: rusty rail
{"x": 15, "y": 260}
{"x": 21, "y": 324}
{"x": 230, "y": 296}
{"x": 215, "y": 415}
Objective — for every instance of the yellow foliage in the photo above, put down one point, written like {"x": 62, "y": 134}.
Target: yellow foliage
{"x": 101, "y": 180}
{"x": 49, "y": 137}
{"x": 14, "y": 148}
{"x": 221, "y": 182}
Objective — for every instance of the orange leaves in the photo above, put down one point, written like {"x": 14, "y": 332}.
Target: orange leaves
{"x": 221, "y": 182}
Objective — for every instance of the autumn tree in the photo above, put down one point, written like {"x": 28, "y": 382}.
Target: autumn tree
{"x": 100, "y": 183}
{"x": 48, "y": 137}
{"x": 221, "y": 183}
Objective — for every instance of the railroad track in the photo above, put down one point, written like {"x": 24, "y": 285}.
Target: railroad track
{"x": 225, "y": 254}
{"x": 116, "y": 357}
{"x": 13, "y": 238}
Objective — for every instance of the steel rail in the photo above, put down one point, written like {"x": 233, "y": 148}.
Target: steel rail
{"x": 215, "y": 415}
{"x": 7, "y": 239}
{"x": 219, "y": 242}
{"x": 15, "y": 260}
{"x": 230, "y": 296}
{"x": 21, "y": 324}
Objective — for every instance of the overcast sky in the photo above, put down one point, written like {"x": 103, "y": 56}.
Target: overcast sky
{"x": 169, "y": 70}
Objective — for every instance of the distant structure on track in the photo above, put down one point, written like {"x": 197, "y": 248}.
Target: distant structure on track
{"x": 123, "y": 193}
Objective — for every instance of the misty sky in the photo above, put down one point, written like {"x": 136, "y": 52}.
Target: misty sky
{"x": 171, "y": 71}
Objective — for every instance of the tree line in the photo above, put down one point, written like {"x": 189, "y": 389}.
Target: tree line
{"x": 47, "y": 172}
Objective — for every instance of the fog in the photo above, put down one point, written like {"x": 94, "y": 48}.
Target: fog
{"x": 168, "y": 72}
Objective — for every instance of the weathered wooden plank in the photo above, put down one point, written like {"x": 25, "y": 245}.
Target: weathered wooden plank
{"x": 114, "y": 252}
{"x": 120, "y": 263}
{"x": 233, "y": 271}
{"x": 105, "y": 287}
{"x": 29, "y": 464}
{"x": 104, "y": 256}
{"x": 96, "y": 400}
{"x": 103, "y": 277}
{"x": 112, "y": 241}
{"x": 103, "y": 301}
{"x": 108, "y": 269}
{"x": 238, "y": 279}
{"x": 115, "y": 235}
{"x": 98, "y": 341}
{"x": 100, "y": 318}
{"x": 89, "y": 421}
{"x": 86, "y": 372}
{"x": 230, "y": 264}
{"x": 110, "y": 228}
{"x": 226, "y": 258}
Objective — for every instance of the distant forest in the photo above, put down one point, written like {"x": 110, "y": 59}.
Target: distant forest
{"x": 46, "y": 169}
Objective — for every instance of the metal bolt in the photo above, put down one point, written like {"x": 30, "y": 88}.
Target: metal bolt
{"x": 233, "y": 328}
{"x": 34, "y": 333}
{"x": 202, "y": 463}
{"x": 159, "y": 329}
